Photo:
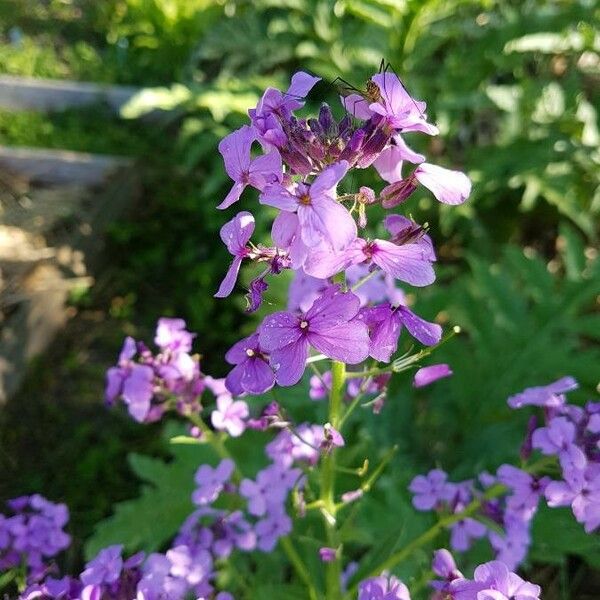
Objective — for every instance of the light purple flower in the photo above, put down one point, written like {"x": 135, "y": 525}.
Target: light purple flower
{"x": 426, "y": 375}
{"x": 105, "y": 568}
{"x": 327, "y": 554}
{"x": 172, "y": 335}
{"x": 581, "y": 491}
{"x": 230, "y": 415}
{"x": 526, "y": 490}
{"x": 320, "y": 216}
{"x": 383, "y": 588}
{"x": 559, "y": 438}
{"x": 287, "y": 448}
{"x": 268, "y": 530}
{"x": 252, "y": 373}
{"x": 137, "y": 391}
{"x": 493, "y": 581}
{"x": 464, "y": 532}
{"x": 270, "y": 488}
{"x": 211, "y": 482}
{"x": 320, "y": 386}
{"x": 443, "y": 566}
{"x": 380, "y": 287}
{"x": 235, "y": 235}
{"x": 235, "y": 149}
{"x": 385, "y": 325}
{"x": 512, "y": 546}
{"x": 549, "y": 396}
{"x": 431, "y": 489}
{"x": 330, "y": 326}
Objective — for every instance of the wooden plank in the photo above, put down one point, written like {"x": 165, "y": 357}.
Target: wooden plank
{"x": 31, "y": 93}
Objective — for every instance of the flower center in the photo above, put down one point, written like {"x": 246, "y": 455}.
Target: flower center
{"x": 303, "y": 324}
{"x": 250, "y": 352}
{"x": 305, "y": 199}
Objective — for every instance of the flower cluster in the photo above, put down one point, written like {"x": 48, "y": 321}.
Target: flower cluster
{"x": 571, "y": 434}
{"x": 32, "y": 533}
{"x": 150, "y": 384}
{"x": 303, "y": 161}
{"x": 492, "y": 580}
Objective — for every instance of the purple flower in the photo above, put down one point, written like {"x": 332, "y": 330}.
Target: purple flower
{"x": 270, "y": 488}
{"x": 268, "y": 530}
{"x": 105, "y": 568}
{"x": 332, "y": 438}
{"x": 320, "y": 386}
{"x": 320, "y": 217}
{"x": 251, "y": 373}
{"x": 327, "y": 554}
{"x": 511, "y": 547}
{"x": 383, "y": 588}
{"x": 559, "y": 438}
{"x": 380, "y": 287}
{"x": 211, "y": 482}
{"x": 171, "y": 335}
{"x": 287, "y": 448}
{"x": 443, "y": 566}
{"x": 431, "y": 489}
{"x": 493, "y": 581}
{"x": 304, "y": 290}
{"x": 275, "y": 106}
{"x": 235, "y": 149}
{"x": 230, "y": 415}
{"x": 427, "y": 375}
{"x": 464, "y": 531}
{"x": 235, "y": 235}
{"x": 526, "y": 490}
{"x": 580, "y": 490}
{"x": 330, "y": 326}
{"x": 385, "y": 325}
{"x": 549, "y": 396}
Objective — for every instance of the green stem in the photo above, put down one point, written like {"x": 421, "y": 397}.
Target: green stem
{"x": 299, "y": 566}
{"x": 328, "y": 472}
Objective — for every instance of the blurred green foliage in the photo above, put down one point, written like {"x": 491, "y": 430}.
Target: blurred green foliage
{"x": 514, "y": 86}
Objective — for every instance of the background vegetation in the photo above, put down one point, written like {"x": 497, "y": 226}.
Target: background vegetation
{"x": 514, "y": 87}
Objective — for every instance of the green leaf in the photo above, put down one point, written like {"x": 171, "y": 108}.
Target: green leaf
{"x": 148, "y": 522}
{"x": 556, "y": 534}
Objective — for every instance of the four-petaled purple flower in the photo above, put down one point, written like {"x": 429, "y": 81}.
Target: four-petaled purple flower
{"x": 230, "y": 415}
{"x": 431, "y": 489}
{"x": 330, "y": 326}
{"x": 105, "y": 568}
{"x": 549, "y": 396}
{"x": 211, "y": 481}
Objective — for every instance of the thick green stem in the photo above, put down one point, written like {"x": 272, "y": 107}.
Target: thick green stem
{"x": 328, "y": 472}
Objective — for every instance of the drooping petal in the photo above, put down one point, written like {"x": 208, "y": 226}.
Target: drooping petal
{"x": 279, "y": 330}
{"x": 449, "y": 187}
{"x": 407, "y": 263}
{"x": 235, "y": 150}
{"x": 233, "y": 196}
{"x": 289, "y": 362}
{"x": 236, "y": 233}
{"x": 332, "y": 308}
{"x": 427, "y": 333}
{"x": 230, "y": 278}
{"x": 265, "y": 169}
{"x": 348, "y": 342}
{"x": 138, "y": 391}
{"x": 406, "y": 152}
